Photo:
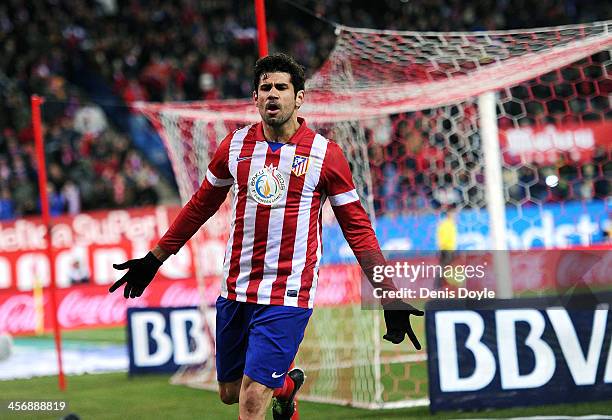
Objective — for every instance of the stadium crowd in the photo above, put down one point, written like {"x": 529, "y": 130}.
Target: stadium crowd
{"x": 70, "y": 50}
{"x": 89, "y": 164}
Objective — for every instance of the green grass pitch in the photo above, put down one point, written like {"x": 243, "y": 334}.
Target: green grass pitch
{"x": 116, "y": 396}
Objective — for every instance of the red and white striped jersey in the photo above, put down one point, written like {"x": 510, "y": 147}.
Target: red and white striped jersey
{"x": 274, "y": 247}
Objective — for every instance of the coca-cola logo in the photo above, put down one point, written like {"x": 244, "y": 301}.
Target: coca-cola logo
{"x": 78, "y": 309}
{"x": 179, "y": 295}
{"x": 17, "y": 314}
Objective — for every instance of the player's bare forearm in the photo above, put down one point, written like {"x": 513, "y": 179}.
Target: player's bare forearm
{"x": 160, "y": 253}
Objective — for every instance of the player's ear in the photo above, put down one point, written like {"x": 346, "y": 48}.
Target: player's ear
{"x": 255, "y": 96}
{"x": 299, "y": 98}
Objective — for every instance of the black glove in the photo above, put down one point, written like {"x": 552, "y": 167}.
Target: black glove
{"x": 141, "y": 272}
{"x": 397, "y": 320}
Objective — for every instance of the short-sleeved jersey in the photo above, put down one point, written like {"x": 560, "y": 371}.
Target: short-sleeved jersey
{"x": 274, "y": 248}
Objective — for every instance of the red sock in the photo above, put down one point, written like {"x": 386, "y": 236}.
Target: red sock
{"x": 285, "y": 391}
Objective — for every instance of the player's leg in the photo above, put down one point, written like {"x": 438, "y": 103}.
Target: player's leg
{"x": 254, "y": 399}
{"x": 445, "y": 258}
{"x": 284, "y": 405}
{"x": 275, "y": 335}
{"x": 232, "y": 337}
{"x": 229, "y": 392}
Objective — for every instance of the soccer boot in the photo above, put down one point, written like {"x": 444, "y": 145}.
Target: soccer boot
{"x": 284, "y": 409}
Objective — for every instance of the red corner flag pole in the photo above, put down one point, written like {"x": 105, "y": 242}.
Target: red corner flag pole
{"x": 44, "y": 204}
{"x": 262, "y": 34}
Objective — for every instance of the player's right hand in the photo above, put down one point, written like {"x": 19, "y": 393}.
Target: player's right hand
{"x": 140, "y": 273}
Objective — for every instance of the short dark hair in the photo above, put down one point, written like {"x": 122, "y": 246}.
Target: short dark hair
{"x": 281, "y": 63}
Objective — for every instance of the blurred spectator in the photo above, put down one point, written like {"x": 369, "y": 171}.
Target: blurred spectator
{"x": 90, "y": 119}
{"x": 78, "y": 274}
{"x": 57, "y": 201}
{"x": 7, "y": 205}
{"x": 73, "y": 198}
{"x": 446, "y": 236}
{"x": 606, "y": 228}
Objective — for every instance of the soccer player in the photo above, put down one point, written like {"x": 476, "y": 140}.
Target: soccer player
{"x": 446, "y": 234}
{"x": 281, "y": 172}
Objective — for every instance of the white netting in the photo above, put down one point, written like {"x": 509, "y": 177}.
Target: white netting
{"x": 403, "y": 107}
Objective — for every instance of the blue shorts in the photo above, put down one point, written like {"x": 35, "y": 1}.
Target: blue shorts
{"x": 260, "y": 341}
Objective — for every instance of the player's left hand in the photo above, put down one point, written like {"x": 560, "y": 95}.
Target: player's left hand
{"x": 397, "y": 320}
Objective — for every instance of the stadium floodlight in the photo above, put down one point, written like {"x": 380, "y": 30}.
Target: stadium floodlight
{"x": 479, "y": 113}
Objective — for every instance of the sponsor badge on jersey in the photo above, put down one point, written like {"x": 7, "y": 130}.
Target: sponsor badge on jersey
{"x": 300, "y": 165}
{"x": 267, "y": 186}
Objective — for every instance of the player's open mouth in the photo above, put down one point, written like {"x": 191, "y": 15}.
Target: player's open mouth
{"x": 272, "y": 109}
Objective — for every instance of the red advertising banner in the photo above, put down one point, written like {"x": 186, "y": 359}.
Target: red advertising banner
{"x": 92, "y": 306}
{"x": 86, "y": 246}
{"x": 545, "y": 145}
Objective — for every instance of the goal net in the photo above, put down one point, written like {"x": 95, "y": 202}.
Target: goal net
{"x": 511, "y": 122}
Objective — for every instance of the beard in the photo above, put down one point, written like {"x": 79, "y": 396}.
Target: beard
{"x": 276, "y": 120}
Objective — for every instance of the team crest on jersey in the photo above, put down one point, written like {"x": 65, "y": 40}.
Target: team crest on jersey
{"x": 267, "y": 186}
{"x": 300, "y": 165}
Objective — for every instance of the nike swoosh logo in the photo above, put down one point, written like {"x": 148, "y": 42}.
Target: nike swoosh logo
{"x": 240, "y": 159}
{"x": 276, "y": 376}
